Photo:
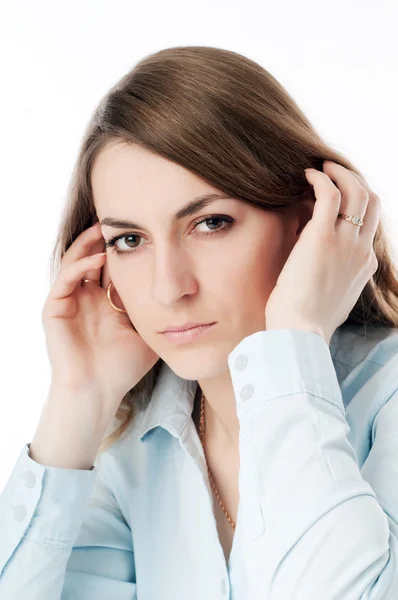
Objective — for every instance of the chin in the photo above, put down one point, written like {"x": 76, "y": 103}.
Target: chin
{"x": 197, "y": 366}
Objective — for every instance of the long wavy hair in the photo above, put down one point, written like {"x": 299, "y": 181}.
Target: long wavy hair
{"x": 227, "y": 120}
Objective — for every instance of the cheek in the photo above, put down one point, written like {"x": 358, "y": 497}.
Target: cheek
{"x": 243, "y": 283}
{"x": 259, "y": 264}
{"x": 256, "y": 274}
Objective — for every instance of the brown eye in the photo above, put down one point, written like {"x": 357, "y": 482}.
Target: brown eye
{"x": 128, "y": 237}
{"x": 132, "y": 247}
{"x": 115, "y": 247}
{"x": 217, "y": 218}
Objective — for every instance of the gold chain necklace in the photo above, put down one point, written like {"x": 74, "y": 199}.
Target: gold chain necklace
{"x": 201, "y": 434}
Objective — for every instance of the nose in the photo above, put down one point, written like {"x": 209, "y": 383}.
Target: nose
{"x": 173, "y": 277}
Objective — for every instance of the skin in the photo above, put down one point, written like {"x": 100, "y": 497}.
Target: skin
{"x": 227, "y": 277}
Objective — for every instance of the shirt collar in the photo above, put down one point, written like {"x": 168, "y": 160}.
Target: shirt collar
{"x": 171, "y": 403}
{"x": 173, "y": 397}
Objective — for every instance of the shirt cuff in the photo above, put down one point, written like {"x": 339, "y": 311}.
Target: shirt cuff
{"x": 44, "y": 503}
{"x": 279, "y": 362}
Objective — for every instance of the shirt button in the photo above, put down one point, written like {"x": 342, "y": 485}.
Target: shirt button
{"x": 241, "y": 362}
{"x": 20, "y": 512}
{"x": 223, "y": 586}
{"x": 30, "y": 479}
{"x": 247, "y": 392}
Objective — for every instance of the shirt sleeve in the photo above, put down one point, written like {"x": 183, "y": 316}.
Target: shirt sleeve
{"x": 313, "y": 525}
{"x": 63, "y": 536}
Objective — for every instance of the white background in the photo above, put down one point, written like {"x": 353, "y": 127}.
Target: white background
{"x": 339, "y": 60}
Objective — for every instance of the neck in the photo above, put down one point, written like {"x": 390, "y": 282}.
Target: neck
{"x": 221, "y": 419}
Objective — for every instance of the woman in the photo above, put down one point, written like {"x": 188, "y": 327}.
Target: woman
{"x": 273, "y": 416}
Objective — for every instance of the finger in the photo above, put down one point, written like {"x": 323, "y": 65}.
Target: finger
{"x": 95, "y": 274}
{"x": 371, "y": 219}
{"x": 373, "y": 210}
{"x": 363, "y": 182}
{"x": 70, "y": 275}
{"x": 328, "y": 197}
{"x": 354, "y": 197}
{"x": 89, "y": 241}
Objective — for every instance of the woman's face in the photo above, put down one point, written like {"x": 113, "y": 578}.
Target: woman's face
{"x": 217, "y": 271}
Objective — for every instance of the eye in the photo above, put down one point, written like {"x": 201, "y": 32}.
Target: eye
{"x": 111, "y": 243}
{"x": 224, "y": 218}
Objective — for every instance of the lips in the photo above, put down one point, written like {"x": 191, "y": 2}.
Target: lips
{"x": 185, "y": 327}
{"x": 187, "y": 335}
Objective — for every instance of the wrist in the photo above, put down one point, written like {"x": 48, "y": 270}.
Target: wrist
{"x": 297, "y": 324}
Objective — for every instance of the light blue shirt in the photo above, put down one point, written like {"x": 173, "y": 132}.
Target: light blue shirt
{"x": 318, "y": 485}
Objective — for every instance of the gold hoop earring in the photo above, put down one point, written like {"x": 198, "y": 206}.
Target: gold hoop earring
{"x": 108, "y": 293}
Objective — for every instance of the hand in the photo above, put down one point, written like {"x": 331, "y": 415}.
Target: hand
{"x": 90, "y": 345}
{"x": 333, "y": 260}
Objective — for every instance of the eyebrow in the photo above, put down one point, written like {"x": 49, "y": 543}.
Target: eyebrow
{"x": 189, "y": 209}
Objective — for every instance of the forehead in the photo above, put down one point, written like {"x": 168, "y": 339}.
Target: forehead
{"x": 123, "y": 174}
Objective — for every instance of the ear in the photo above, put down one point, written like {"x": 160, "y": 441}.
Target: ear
{"x": 105, "y": 275}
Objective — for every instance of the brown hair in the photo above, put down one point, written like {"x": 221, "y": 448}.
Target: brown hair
{"x": 229, "y": 121}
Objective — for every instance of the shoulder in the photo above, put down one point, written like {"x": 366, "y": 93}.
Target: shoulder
{"x": 366, "y": 364}
{"x": 127, "y": 442}
{"x": 360, "y": 352}
{"x": 122, "y": 463}
{"x": 355, "y": 344}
